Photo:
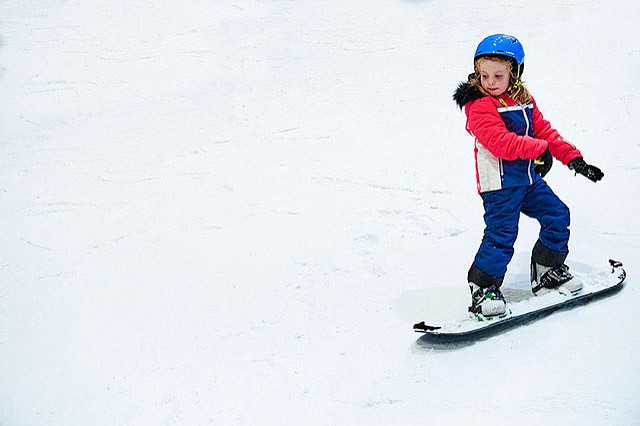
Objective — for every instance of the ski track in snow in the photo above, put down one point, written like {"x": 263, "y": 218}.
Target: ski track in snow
{"x": 233, "y": 212}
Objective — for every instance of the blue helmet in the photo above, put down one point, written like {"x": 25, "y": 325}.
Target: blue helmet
{"x": 501, "y": 45}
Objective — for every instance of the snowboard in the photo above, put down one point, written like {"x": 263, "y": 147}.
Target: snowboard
{"x": 595, "y": 285}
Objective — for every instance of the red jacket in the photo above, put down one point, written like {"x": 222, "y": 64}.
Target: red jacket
{"x": 509, "y": 136}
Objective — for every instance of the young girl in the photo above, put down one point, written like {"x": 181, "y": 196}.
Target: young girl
{"x": 514, "y": 150}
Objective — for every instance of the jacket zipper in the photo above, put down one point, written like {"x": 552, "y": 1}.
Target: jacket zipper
{"x": 526, "y": 132}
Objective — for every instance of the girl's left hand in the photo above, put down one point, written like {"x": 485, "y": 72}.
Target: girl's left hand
{"x": 592, "y": 173}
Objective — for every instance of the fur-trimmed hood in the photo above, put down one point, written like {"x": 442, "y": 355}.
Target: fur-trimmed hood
{"x": 466, "y": 93}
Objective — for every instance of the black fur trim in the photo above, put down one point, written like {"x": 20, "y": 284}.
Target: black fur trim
{"x": 465, "y": 93}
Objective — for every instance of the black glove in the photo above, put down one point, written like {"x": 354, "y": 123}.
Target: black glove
{"x": 544, "y": 163}
{"x": 591, "y": 172}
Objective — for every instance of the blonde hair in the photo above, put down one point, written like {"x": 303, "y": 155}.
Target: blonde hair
{"x": 516, "y": 90}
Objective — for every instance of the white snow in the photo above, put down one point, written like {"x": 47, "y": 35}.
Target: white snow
{"x": 233, "y": 212}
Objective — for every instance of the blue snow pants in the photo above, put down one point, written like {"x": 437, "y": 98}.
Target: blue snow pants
{"x": 502, "y": 213}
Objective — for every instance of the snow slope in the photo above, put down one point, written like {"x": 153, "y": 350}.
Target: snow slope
{"x": 232, "y": 212}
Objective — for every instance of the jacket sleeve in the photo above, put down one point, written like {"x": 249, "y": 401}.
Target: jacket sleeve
{"x": 486, "y": 125}
{"x": 560, "y": 148}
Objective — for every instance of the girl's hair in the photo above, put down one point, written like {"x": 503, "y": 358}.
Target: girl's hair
{"x": 516, "y": 89}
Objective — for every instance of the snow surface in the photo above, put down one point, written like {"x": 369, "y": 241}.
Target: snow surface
{"x": 232, "y": 212}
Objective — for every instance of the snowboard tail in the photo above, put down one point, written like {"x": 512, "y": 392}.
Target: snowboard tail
{"x": 596, "y": 286}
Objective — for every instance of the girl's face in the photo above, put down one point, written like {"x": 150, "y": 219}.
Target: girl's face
{"x": 494, "y": 76}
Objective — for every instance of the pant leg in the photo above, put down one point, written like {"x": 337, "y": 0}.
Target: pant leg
{"x": 502, "y": 213}
{"x": 553, "y": 215}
